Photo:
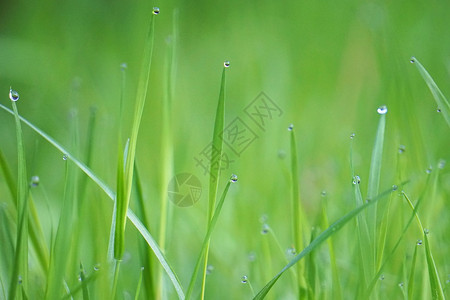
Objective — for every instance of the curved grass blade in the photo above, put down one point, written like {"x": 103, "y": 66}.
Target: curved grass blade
{"x": 206, "y": 240}
{"x": 123, "y": 198}
{"x": 412, "y": 272}
{"x": 20, "y": 267}
{"x": 214, "y": 173}
{"x": 435, "y": 283}
{"x": 330, "y": 231}
{"x": 441, "y": 101}
{"x": 108, "y": 191}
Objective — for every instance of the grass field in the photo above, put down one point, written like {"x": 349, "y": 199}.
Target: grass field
{"x": 225, "y": 150}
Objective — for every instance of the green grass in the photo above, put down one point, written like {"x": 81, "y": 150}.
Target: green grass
{"x": 313, "y": 213}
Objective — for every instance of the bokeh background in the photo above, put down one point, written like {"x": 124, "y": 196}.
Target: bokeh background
{"x": 328, "y": 65}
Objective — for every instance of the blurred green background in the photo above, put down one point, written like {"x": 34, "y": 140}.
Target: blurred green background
{"x": 328, "y": 65}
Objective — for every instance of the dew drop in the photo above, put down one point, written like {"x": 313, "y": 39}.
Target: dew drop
{"x": 382, "y": 277}
{"x": 13, "y": 95}
{"x": 252, "y": 256}
{"x": 19, "y": 279}
{"x": 352, "y": 135}
{"x": 281, "y": 154}
{"x": 438, "y": 110}
{"x": 419, "y": 242}
{"x": 233, "y": 178}
{"x": 323, "y": 193}
{"x": 263, "y": 219}
{"x": 226, "y": 63}
{"x": 356, "y": 180}
{"x": 291, "y": 127}
{"x": 97, "y": 267}
{"x": 441, "y": 164}
{"x": 401, "y": 149}
{"x": 426, "y": 231}
{"x": 291, "y": 251}
{"x": 430, "y": 168}
{"x": 382, "y": 110}
{"x": 65, "y": 157}
{"x": 401, "y": 284}
{"x": 413, "y": 60}
{"x": 209, "y": 269}
{"x": 244, "y": 279}
{"x": 123, "y": 66}
{"x": 80, "y": 278}
{"x": 394, "y": 187}
{"x": 155, "y": 10}
{"x": 265, "y": 229}
{"x": 34, "y": 181}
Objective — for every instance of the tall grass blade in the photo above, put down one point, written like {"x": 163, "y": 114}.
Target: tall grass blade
{"x": 20, "y": 266}
{"x": 330, "y": 231}
{"x": 206, "y": 240}
{"x": 373, "y": 187}
{"x": 109, "y": 192}
{"x": 296, "y": 212}
{"x": 214, "y": 173}
{"x": 123, "y": 198}
{"x": 167, "y": 147}
{"x": 84, "y": 285}
{"x": 144, "y": 251}
{"x": 441, "y": 100}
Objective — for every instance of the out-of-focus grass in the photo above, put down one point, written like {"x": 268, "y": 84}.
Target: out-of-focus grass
{"x": 327, "y": 66}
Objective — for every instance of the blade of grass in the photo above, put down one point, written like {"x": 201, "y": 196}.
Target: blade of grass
{"x": 435, "y": 283}
{"x": 296, "y": 213}
{"x": 206, "y": 239}
{"x": 109, "y": 192}
{"x": 330, "y": 231}
{"x": 166, "y": 147}
{"x": 441, "y": 100}
{"x": 123, "y": 198}
{"x": 20, "y": 269}
{"x": 138, "y": 288}
{"x": 144, "y": 253}
{"x": 373, "y": 187}
{"x": 84, "y": 286}
{"x": 214, "y": 173}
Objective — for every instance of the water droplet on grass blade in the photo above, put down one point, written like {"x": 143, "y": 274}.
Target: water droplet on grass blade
{"x": 123, "y": 66}
{"x": 13, "y": 95}
{"x": 426, "y": 231}
{"x": 438, "y": 110}
{"x": 265, "y": 229}
{"x": 401, "y": 149}
{"x": 233, "y": 178}
{"x": 394, "y": 187}
{"x": 429, "y": 170}
{"x": 226, "y": 63}
{"x": 96, "y": 267}
{"x": 155, "y": 10}
{"x": 401, "y": 284}
{"x": 291, "y": 127}
{"x": 382, "y": 277}
{"x": 65, "y": 157}
{"x": 252, "y": 256}
{"x": 356, "y": 180}
{"x": 323, "y": 193}
{"x": 382, "y": 110}
{"x": 34, "y": 181}
{"x": 441, "y": 164}
{"x": 352, "y": 135}
{"x": 244, "y": 279}
{"x": 412, "y": 60}
{"x": 19, "y": 279}
{"x": 209, "y": 269}
{"x": 419, "y": 242}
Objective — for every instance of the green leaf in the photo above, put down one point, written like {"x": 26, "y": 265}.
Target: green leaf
{"x": 441, "y": 101}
